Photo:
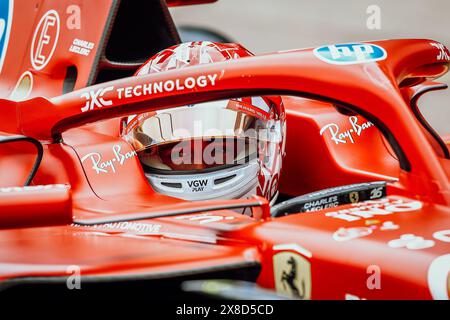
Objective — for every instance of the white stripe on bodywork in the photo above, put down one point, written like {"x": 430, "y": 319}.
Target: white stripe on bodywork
{"x": 293, "y": 247}
{"x": 438, "y": 274}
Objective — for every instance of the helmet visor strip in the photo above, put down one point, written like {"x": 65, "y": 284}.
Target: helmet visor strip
{"x": 203, "y": 136}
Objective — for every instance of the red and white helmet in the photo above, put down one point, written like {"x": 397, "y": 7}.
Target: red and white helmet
{"x": 224, "y": 149}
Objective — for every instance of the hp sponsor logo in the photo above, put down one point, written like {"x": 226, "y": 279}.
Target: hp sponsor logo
{"x": 351, "y": 53}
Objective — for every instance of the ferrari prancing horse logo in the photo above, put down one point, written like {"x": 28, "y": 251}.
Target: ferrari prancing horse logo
{"x": 354, "y": 197}
{"x": 292, "y": 275}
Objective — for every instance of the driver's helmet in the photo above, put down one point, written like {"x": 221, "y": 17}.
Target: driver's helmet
{"x": 224, "y": 149}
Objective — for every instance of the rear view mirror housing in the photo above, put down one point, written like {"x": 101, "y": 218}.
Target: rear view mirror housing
{"x": 18, "y": 150}
{"x": 22, "y": 205}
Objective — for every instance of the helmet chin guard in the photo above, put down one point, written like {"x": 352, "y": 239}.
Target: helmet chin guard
{"x": 233, "y": 182}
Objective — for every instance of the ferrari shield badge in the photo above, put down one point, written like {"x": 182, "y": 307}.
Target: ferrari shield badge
{"x": 292, "y": 274}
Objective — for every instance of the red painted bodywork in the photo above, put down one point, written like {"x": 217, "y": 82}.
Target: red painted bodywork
{"x": 380, "y": 90}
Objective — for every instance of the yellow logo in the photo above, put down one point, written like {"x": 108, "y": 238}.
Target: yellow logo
{"x": 354, "y": 197}
{"x": 292, "y": 275}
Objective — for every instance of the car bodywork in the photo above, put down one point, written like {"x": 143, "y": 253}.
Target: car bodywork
{"x": 92, "y": 211}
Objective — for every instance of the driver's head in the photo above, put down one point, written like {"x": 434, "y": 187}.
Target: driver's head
{"x": 215, "y": 150}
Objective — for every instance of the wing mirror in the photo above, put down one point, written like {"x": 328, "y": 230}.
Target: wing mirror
{"x": 28, "y": 206}
{"x": 20, "y": 157}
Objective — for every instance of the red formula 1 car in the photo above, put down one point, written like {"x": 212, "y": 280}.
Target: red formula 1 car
{"x": 363, "y": 210}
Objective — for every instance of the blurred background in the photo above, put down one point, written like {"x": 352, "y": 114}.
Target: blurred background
{"x": 272, "y": 25}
